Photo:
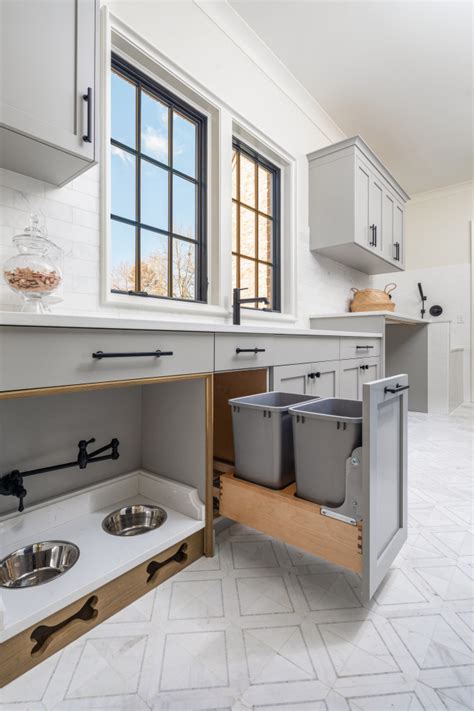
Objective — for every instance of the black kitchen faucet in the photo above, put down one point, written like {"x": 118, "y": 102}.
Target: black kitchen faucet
{"x": 238, "y": 301}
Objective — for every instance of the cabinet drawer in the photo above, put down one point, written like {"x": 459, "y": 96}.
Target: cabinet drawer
{"x": 48, "y": 357}
{"x": 304, "y": 349}
{"x": 234, "y": 352}
{"x": 359, "y": 347}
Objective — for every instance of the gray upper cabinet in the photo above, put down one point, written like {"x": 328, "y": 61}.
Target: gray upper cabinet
{"x": 48, "y": 87}
{"x": 356, "y": 208}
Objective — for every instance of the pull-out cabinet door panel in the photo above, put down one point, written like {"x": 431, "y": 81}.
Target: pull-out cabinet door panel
{"x": 384, "y": 482}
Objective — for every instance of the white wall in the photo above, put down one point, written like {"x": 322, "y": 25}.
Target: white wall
{"x": 214, "y": 47}
{"x": 438, "y": 255}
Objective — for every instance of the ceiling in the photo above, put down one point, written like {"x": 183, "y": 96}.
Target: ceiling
{"x": 397, "y": 72}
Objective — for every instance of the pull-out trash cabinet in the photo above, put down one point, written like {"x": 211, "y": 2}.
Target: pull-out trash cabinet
{"x": 368, "y": 542}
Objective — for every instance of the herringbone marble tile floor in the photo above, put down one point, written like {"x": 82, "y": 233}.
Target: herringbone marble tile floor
{"x": 265, "y": 626}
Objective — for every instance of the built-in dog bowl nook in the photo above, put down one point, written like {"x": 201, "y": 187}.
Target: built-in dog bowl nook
{"x": 37, "y": 564}
{"x": 95, "y": 467}
{"x": 134, "y": 520}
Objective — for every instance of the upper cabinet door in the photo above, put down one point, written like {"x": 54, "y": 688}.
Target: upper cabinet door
{"x": 50, "y": 47}
{"x": 375, "y": 214}
{"x": 362, "y": 202}
{"x": 388, "y": 216}
{"x": 399, "y": 234}
{"x": 384, "y": 478}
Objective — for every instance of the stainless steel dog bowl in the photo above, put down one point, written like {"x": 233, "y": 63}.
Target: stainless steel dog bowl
{"x": 134, "y": 520}
{"x": 37, "y": 564}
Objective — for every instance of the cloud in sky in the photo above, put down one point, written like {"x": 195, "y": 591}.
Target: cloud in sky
{"x": 124, "y": 156}
{"x": 155, "y": 144}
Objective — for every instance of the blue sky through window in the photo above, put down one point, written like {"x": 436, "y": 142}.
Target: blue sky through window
{"x": 151, "y": 141}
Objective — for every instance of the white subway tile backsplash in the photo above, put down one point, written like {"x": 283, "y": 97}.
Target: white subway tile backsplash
{"x": 74, "y": 198}
{"x": 11, "y": 217}
{"x": 81, "y": 250}
{"x": 86, "y": 218}
{"x": 17, "y": 181}
{"x": 85, "y": 234}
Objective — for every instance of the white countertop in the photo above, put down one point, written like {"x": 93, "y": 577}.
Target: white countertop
{"x": 13, "y": 318}
{"x": 78, "y": 518}
{"x": 393, "y": 316}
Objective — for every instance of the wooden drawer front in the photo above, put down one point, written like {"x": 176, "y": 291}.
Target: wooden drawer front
{"x": 47, "y": 357}
{"x": 32, "y": 646}
{"x": 234, "y": 352}
{"x": 359, "y": 347}
{"x": 304, "y": 349}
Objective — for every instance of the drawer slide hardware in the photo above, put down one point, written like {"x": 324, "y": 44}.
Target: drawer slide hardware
{"x": 338, "y": 516}
{"x": 350, "y": 510}
{"x": 100, "y": 355}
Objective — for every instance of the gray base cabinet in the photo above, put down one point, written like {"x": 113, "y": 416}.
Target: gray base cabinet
{"x": 356, "y": 208}
{"x": 344, "y": 378}
{"x": 354, "y": 373}
{"x": 48, "y": 90}
{"x": 318, "y": 379}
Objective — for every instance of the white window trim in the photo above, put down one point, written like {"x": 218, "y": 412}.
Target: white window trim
{"x": 223, "y": 123}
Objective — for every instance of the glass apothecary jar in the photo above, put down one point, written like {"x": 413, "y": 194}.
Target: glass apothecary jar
{"x": 34, "y": 273}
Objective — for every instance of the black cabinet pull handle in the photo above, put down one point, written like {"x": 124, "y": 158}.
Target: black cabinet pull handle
{"x": 87, "y": 138}
{"x": 397, "y": 256}
{"x": 373, "y": 229}
{"x": 249, "y": 350}
{"x": 363, "y": 347}
{"x": 314, "y": 375}
{"x": 397, "y": 389}
{"x": 99, "y": 355}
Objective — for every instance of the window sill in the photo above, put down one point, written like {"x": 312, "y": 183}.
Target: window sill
{"x": 178, "y": 309}
{"x": 163, "y": 306}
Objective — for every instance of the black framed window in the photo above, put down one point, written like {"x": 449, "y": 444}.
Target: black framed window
{"x": 255, "y": 225}
{"x": 158, "y": 190}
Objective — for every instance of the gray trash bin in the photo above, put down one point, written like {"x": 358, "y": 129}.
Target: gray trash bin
{"x": 263, "y": 437}
{"x": 325, "y": 432}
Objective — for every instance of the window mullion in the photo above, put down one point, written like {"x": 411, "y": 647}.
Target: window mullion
{"x": 138, "y": 166}
{"x": 170, "y": 202}
{"x": 256, "y": 234}
{"x": 237, "y": 265}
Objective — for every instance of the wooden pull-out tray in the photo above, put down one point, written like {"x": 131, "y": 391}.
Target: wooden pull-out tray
{"x": 283, "y": 516}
